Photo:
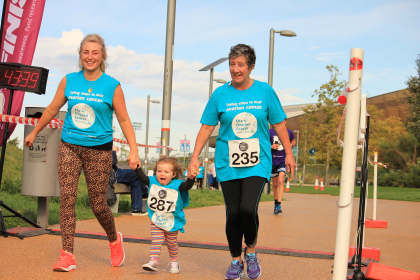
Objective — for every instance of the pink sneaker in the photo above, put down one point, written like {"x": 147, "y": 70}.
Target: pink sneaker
{"x": 117, "y": 251}
{"x": 66, "y": 262}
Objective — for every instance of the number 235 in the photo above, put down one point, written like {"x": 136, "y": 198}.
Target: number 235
{"x": 245, "y": 158}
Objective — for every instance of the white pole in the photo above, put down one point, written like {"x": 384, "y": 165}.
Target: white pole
{"x": 146, "y": 149}
{"x": 375, "y": 184}
{"x": 185, "y": 146}
{"x": 168, "y": 75}
{"x": 348, "y": 169}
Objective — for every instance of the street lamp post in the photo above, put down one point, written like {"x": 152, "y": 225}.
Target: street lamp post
{"x": 297, "y": 154}
{"x": 210, "y": 67}
{"x": 136, "y": 126}
{"x": 146, "y": 149}
{"x": 286, "y": 33}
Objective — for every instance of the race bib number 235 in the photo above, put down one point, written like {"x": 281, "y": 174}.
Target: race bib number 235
{"x": 244, "y": 152}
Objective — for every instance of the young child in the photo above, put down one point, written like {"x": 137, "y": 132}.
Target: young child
{"x": 167, "y": 198}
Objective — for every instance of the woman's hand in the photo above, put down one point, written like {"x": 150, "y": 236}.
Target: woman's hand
{"x": 29, "y": 140}
{"x": 290, "y": 164}
{"x": 133, "y": 160}
{"x": 193, "y": 168}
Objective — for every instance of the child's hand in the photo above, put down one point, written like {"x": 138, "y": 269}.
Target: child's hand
{"x": 193, "y": 172}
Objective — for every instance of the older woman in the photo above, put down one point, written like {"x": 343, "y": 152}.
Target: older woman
{"x": 86, "y": 143}
{"x": 243, "y": 152}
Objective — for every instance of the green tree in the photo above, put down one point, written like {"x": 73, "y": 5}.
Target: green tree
{"x": 413, "y": 86}
{"x": 389, "y": 129}
{"x": 323, "y": 134}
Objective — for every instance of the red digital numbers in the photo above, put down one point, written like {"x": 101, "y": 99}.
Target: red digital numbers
{"x": 26, "y": 80}
{"x": 34, "y": 79}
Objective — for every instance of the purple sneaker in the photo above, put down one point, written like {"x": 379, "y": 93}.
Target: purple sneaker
{"x": 235, "y": 271}
{"x": 253, "y": 268}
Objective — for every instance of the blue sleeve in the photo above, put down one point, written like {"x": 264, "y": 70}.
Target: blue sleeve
{"x": 276, "y": 113}
{"x": 210, "y": 115}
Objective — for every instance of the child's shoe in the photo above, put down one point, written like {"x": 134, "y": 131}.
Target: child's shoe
{"x": 66, "y": 262}
{"x": 235, "y": 271}
{"x": 151, "y": 266}
{"x": 117, "y": 251}
{"x": 175, "y": 267}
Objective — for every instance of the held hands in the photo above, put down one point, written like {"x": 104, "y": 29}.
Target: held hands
{"x": 193, "y": 169}
{"x": 133, "y": 160}
{"x": 274, "y": 146}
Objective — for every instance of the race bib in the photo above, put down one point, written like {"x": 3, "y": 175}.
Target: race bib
{"x": 244, "y": 153}
{"x": 162, "y": 199}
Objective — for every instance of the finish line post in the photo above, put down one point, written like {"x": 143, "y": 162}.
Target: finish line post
{"x": 348, "y": 170}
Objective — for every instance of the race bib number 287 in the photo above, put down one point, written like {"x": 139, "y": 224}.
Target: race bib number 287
{"x": 244, "y": 152}
{"x": 162, "y": 199}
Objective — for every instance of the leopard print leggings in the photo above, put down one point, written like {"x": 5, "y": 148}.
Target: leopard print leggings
{"x": 96, "y": 165}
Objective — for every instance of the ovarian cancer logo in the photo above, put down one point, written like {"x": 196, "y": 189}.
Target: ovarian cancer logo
{"x": 82, "y": 116}
{"x": 244, "y": 125}
{"x": 163, "y": 220}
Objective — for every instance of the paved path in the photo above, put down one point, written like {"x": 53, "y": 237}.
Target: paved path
{"x": 307, "y": 223}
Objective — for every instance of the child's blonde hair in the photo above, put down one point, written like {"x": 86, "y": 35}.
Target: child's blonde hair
{"x": 177, "y": 166}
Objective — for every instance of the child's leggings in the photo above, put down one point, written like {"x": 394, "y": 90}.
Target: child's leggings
{"x": 158, "y": 235}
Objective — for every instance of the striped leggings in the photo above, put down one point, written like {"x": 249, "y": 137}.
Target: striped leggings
{"x": 158, "y": 235}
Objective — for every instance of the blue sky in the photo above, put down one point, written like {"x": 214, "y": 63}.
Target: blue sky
{"x": 135, "y": 33}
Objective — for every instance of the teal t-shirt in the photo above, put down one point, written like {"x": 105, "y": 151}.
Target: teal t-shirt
{"x": 243, "y": 146}
{"x": 200, "y": 174}
{"x": 88, "y": 120}
{"x": 165, "y": 205}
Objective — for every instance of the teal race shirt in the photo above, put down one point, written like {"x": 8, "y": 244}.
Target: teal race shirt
{"x": 89, "y": 115}
{"x": 165, "y": 205}
{"x": 243, "y": 146}
{"x": 200, "y": 174}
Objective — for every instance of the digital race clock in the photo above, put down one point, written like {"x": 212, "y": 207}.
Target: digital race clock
{"x": 23, "y": 77}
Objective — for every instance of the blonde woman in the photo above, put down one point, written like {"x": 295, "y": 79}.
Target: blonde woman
{"x": 86, "y": 143}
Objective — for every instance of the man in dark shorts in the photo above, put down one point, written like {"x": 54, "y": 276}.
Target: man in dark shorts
{"x": 279, "y": 167}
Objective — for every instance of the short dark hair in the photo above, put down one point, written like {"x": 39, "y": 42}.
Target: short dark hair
{"x": 245, "y": 50}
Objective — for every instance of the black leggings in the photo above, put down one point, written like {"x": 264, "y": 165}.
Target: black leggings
{"x": 200, "y": 183}
{"x": 241, "y": 199}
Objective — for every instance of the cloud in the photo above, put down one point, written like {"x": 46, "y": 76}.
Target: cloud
{"x": 60, "y": 54}
{"x": 287, "y": 97}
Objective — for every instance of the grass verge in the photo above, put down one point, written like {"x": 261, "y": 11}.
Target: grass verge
{"x": 390, "y": 193}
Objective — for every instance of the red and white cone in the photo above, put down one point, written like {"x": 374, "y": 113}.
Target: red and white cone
{"x": 287, "y": 185}
{"x": 322, "y": 184}
{"x": 316, "y": 183}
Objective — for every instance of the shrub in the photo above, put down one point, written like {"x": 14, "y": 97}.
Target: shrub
{"x": 11, "y": 186}
{"x": 398, "y": 178}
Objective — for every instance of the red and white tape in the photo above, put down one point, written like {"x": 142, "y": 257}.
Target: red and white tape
{"x": 58, "y": 124}
{"x": 140, "y": 145}
{"x": 30, "y": 121}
